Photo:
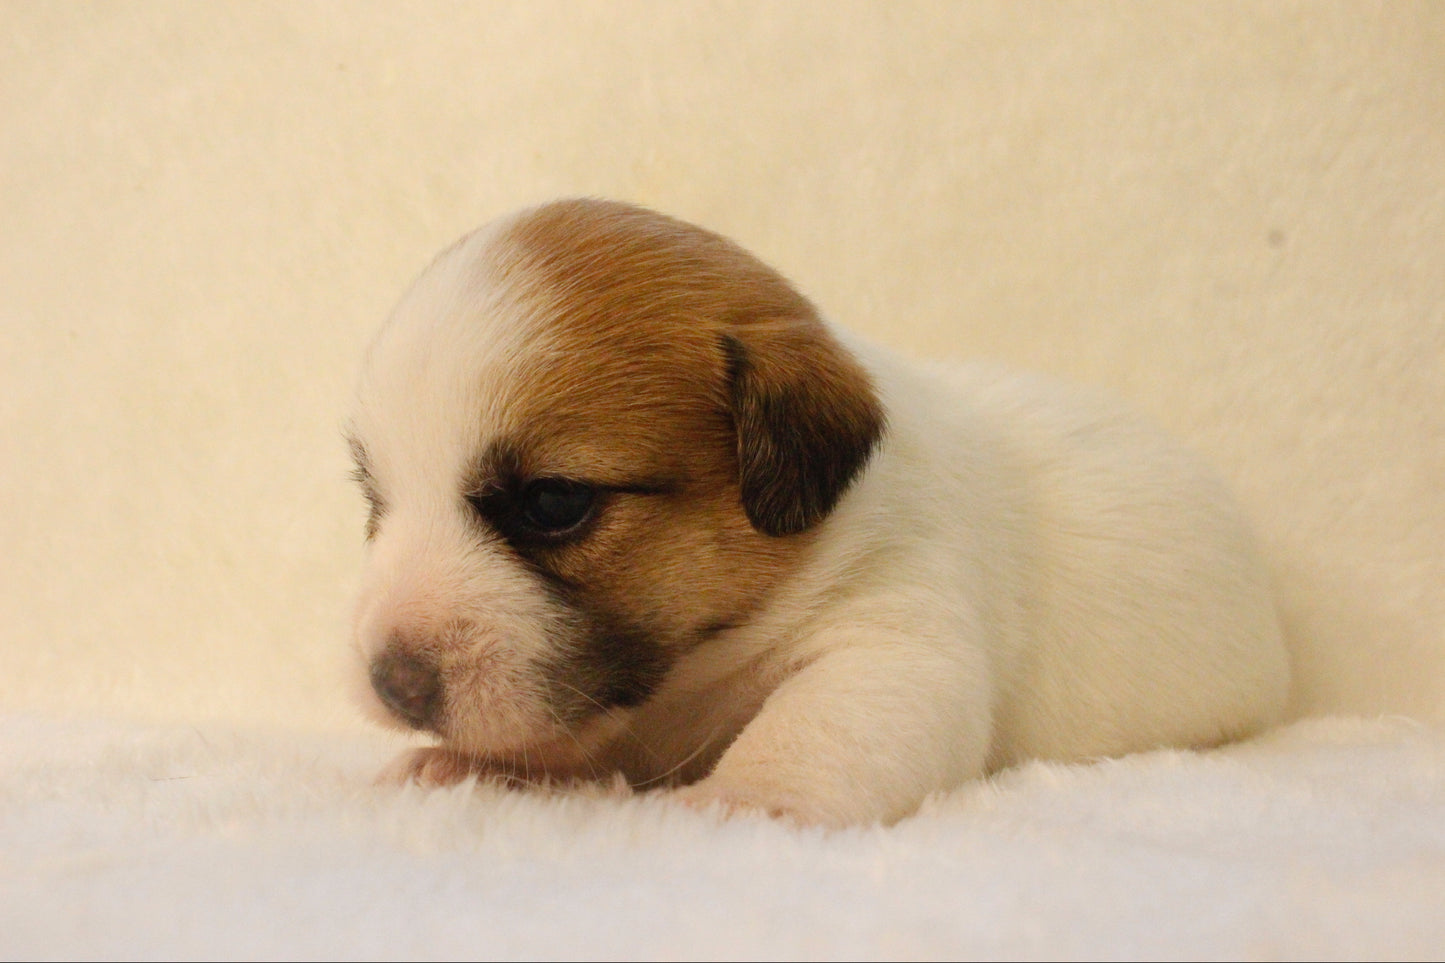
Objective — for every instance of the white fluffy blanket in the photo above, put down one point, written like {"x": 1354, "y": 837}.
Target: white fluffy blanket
{"x": 1324, "y": 840}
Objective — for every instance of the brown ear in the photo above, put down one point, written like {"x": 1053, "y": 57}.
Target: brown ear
{"x": 807, "y": 420}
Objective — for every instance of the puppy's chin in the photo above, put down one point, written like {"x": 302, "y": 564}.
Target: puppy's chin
{"x": 556, "y": 754}
{"x": 491, "y": 702}
{"x": 529, "y": 746}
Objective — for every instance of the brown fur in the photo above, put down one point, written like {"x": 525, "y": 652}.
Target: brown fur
{"x": 632, "y": 382}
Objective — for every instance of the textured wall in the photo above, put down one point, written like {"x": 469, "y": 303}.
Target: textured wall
{"x": 1232, "y": 214}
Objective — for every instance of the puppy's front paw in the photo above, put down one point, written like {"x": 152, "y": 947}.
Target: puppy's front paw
{"x": 435, "y": 766}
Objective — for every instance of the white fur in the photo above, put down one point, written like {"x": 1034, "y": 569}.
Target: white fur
{"x": 1022, "y": 571}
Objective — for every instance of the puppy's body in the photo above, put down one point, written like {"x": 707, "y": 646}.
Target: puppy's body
{"x": 795, "y": 574}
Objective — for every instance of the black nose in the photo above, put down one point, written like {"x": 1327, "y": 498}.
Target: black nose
{"x": 410, "y": 687}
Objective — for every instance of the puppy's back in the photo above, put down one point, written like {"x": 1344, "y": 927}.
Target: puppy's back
{"x": 1142, "y": 614}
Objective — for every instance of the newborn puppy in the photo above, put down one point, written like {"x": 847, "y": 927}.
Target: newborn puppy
{"x": 636, "y": 508}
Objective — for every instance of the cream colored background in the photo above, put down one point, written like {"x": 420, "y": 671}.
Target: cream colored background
{"x": 1232, "y": 214}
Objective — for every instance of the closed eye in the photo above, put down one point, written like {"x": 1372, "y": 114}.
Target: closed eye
{"x": 555, "y": 506}
{"x": 361, "y": 474}
{"x": 550, "y": 510}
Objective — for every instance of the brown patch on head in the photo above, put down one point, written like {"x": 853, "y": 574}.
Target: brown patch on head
{"x": 702, "y": 395}
{"x": 652, "y": 318}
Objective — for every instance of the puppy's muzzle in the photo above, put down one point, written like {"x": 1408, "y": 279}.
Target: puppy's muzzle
{"x": 409, "y": 687}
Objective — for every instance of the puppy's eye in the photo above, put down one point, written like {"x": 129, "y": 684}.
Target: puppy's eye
{"x": 553, "y": 506}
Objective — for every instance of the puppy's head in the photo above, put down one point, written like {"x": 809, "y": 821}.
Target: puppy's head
{"x": 592, "y": 438}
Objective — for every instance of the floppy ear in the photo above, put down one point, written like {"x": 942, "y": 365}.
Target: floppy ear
{"x": 807, "y": 420}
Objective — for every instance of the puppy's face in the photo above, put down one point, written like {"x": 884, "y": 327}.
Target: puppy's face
{"x": 592, "y": 439}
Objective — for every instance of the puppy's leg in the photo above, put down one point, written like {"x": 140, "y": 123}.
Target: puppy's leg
{"x": 863, "y": 733}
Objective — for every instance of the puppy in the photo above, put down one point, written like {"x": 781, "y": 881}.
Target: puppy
{"x": 636, "y": 508}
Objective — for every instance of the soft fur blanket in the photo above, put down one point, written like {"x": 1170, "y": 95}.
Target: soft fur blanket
{"x": 1324, "y": 840}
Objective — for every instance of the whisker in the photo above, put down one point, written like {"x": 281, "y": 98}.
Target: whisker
{"x": 701, "y": 748}
{"x": 626, "y": 726}
{"x": 582, "y": 749}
